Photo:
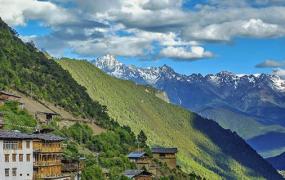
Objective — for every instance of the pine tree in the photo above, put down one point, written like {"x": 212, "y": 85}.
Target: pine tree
{"x": 142, "y": 138}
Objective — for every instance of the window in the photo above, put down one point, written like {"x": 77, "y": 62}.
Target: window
{"x": 10, "y": 145}
{"x": 28, "y": 144}
{"x": 28, "y": 157}
{"x": 14, "y": 171}
{"x": 14, "y": 157}
{"x": 21, "y": 157}
{"x": 7, "y": 172}
{"x": 162, "y": 155}
{"x": 6, "y": 157}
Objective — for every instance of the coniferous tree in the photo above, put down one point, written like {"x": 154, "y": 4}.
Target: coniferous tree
{"x": 142, "y": 138}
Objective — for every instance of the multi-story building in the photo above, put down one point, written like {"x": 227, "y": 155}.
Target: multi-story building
{"x": 30, "y": 156}
{"x": 47, "y": 157}
{"x": 16, "y": 156}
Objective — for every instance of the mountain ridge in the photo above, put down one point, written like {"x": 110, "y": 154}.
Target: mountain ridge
{"x": 258, "y": 98}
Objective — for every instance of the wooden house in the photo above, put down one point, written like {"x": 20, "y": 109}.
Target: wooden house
{"x": 138, "y": 174}
{"x": 166, "y": 155}
{"x": 141, "y": 159}
{"x": 47, "y": 157}
{"x": 45, "y": 117}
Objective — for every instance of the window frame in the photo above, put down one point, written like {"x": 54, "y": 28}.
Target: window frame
{"x": 7, "y": 157}
{"x": 28, "y": 157}
{"x": 14, "y": 171}
{"x": 14, "y": 157}
{"x": 7, "y": 172}
{"x": 21, "y": 157}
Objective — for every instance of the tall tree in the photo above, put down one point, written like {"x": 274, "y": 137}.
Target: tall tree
{"x": 142, "y": 138}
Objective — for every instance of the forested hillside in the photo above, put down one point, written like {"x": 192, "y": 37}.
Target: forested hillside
{"x": 25, "y": 69}
{"x": 203, "y": 145}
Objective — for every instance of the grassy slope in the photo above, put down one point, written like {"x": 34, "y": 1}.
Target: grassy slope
{"x": 256, "y": 134}
{"x": 240, "y": 123}
{"x": 165, "y": 124}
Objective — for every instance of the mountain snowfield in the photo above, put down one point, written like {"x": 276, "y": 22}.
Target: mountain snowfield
{"x": 253, "y": 105}
{"x": 152, "y": 75}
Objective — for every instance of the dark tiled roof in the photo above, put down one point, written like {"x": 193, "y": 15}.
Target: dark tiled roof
{"x": 19, "y": 135}
{"x": 135, "y": 172}
{"x": 136, "y": 154}
{"x": 47, "y": 137}
{"x": 164, "y": 150}
{"x": 47, "y": 113}
{"x": 14, "y": 135}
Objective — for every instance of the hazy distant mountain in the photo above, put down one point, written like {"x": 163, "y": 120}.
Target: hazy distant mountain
{"x": 252, "y": 105}
{"x": 277, "y": 161}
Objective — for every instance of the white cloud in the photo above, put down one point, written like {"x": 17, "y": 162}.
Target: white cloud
{"x": 147, "y": 23}
{"x": 271, "y": 64}
{"x": 181, "y": 53}
{"x": 251, "y": 28}
{"x": 279, "y": 72}
{"x": 17, "y": 12}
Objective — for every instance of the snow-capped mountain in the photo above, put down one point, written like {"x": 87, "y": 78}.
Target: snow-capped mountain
{"x": 112, "y": 66}
{"x": 261, "y": 96}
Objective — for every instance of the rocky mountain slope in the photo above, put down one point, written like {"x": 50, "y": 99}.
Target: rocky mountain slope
{"x": 204, "y": 147}
{"x": 252, "y": 105}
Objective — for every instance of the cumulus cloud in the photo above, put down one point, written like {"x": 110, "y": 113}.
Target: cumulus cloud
{"x": 271, "y": 64}
{"x": 225, "y": 31}
{"x": 16, "y": 12}
{"x": 181, "y": 53}
{"x": 141, "y": 27}
{"x": 279, "y": 72}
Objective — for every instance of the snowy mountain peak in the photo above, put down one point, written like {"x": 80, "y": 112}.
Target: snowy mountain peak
{"x": 154, "y": 75}
{"x": 108, "y": 61}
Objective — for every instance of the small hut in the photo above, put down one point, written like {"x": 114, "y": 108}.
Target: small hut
{"x": 138, "y": 174}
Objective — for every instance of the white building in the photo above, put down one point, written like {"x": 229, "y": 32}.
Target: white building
{"x": 16, "y": 156}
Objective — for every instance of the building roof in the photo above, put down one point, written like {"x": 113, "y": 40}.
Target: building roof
{"x": 47, "y": 113}
{"x": 14, "y": 135}
{"x": 135, "y": 172}
{"x": 18, "y": 135}
{"x": 48, "y": 137}
{"x": 9, "y": 94}
{"x": 164, "y": 150}
{"x": 136, "y": 154}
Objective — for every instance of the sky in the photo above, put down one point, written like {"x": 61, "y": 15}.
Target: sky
{"x": 191, "y": 36}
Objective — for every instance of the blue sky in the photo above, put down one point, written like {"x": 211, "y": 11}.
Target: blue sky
{"x": 191, "y": 36}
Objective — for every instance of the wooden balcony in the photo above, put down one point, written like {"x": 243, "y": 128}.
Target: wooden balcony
{"x": 47, "y": 163}
{"x": 48, "y": 149}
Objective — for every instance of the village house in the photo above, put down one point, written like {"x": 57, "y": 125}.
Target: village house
{"x": 166, "y": 155}
{"x": 72, "y": 167}
{"x": 31, "y": 156}
{"x": 16, "y": 155}
{"x": 47, "y": 150}
{"x": 45, "y": 117}
{"x": 141, "y": 159}
{"x": 138, "y": 174}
